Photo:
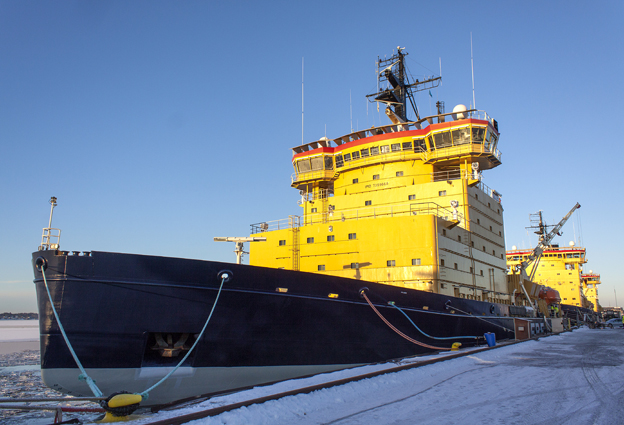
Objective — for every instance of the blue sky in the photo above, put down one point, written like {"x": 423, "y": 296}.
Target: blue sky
{"x": 159, "y": 125}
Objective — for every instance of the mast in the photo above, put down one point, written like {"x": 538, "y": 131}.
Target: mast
{"x": 400, "y": 90}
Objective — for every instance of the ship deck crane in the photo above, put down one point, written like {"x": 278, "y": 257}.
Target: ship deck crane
{"x": 240, "y": 250}
{"x": 536, "y": 254}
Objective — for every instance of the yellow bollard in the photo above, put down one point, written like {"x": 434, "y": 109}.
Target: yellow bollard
{"x": 455, "y": 346}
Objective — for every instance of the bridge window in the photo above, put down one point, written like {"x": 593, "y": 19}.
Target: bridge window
{"x": 317, "y": 163}
{"x": 396, "y": 147}
{"x": 442, "y": 140}
{"x": 374, "y": 150}
{"x": 303, "y": 165}
{"x": 461, "y": 136}
{"x": 430, "y": 143}
{"x": 347, "y": 157}
{"x": 339, "y": 161}
{"x": 329, "y": 163}
{"x": 420, "y": 145}
{"x": 478, "y": 134}
{"x": 407, "y": 146}
{"x": 364, "y": 153}
{"x": 385, "y": 149}
{"x": 356, "y": 155}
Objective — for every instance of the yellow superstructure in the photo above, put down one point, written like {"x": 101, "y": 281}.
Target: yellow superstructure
{"x": 559, "y": 268}
{"x": 400, "y": 204}
{"x": 590, "y": 289}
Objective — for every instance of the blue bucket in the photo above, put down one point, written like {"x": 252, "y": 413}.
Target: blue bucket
{"x": 490, "y": 338}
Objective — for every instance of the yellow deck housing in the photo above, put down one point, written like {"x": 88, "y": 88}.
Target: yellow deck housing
{"x": 397, "y": 206}
{"x": 561, "y": 269}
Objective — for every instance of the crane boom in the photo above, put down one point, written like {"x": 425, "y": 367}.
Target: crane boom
{"x": 545, "y": 240}
{"x": 543, "y": 243}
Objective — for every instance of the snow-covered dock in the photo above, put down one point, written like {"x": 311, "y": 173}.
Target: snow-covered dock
{"x": 572, "y": 378}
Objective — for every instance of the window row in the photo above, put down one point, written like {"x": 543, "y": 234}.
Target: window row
{"x": 389, "y": 263}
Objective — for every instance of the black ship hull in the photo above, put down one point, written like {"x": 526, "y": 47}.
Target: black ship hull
{"x": 124, "y": 313}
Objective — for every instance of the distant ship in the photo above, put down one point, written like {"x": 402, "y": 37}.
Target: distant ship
{"x": 561, "y": 268}
{"x": 399, "y": 251}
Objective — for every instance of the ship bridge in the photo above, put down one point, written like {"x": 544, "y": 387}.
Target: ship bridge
{"x": 468, "y": 142}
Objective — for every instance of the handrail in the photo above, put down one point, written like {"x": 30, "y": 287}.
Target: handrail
{"x": 393, "y": 156}
{"x": 403, "y": 209}
{"x": 391, "y": 128}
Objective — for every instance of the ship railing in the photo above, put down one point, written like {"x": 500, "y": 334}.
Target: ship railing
{"x": 284, "y": 223}
{"x": 393, "y": 156}
{"x": 384, "y": 211}
{"x": 312, "y": 196}
{"x": 50, "y": 239}
{"x": 489, "y": 191}
{"x": 468, "y": 148}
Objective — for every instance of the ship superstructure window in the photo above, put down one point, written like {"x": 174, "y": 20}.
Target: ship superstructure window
{"x": 396, "y": 147}
{"x": 442, "y": 193}
{"x": 390, "y": 263}
{"x": 455, "y": 266}
{"x": 356, "y": 155}
{"x": 352, "y": 236}
{"x": 375, "y": 176}
{"x": 347, "y": 157}
{"x": 442, "y": 140}
{"x": 399, "y": 173}
{"x": 339, "y": 161}
{"x": 411, "y": 197}
{"x": 282, "y": 242}
{"x": 441, "y": 262}
{"x": 443, "y": 232}
{"x": 355, "y": 265}
{"x": 364, "y": 153}
{"x": 321, "y": 267}
{"x": 407, "y": 146}
{"x": 477, "y": 134}
{"x": 481, "y": 273}
{"x": 384, "y": 149}
{"x": 415, "y": 261}
{"x": 310, "y": 240}
{"x": 355, "y": 181}
{"x": 461, "y": 136}
{"x": 419, "y": 145}
{"x": 458, "y": 238}
{"x": 374, "y": 150}
{"x": 329, "y": 163}
{"x": 367, "y": 203}
{"x": 313, "y": 210}
{"x": 569, "y": 266}
{"x": 330, "y": 238}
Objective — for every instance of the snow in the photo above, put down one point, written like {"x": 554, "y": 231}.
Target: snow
{"x": 572, "y": 378}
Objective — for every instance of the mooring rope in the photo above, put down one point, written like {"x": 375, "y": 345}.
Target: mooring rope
{"x": 422, "y": 332}
{"x": 422, "y": 344}
{"x": 83, "y": 376}
{"x": 145, "y": 394}
{"x": 477, "y": 317}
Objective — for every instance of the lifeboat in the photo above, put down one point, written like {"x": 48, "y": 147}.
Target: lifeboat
{"x": 550, "y": 295}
